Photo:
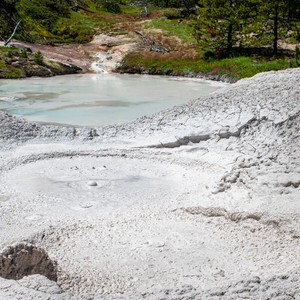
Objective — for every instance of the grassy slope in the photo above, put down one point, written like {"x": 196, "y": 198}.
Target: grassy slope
{"x": 78, "y": 27}
{"x": 172, "y": 27}
{"x": 185, "y": 62}
{"x": 7, "y": 70}
{"x": 230, "y": 68}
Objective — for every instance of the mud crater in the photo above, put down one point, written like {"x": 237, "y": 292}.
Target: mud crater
{"x": 24, "y": 259}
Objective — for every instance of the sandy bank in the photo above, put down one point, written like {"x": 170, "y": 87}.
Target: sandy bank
{"x": 196, "y": 202}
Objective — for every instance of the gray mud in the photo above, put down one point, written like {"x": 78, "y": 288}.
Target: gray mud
{"x": 200, "y": 201}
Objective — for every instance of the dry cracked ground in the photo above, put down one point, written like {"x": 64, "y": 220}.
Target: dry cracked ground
{"x": 200, "y": 201}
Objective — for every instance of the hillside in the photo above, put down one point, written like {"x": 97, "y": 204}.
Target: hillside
{"x": 167, "y": 38}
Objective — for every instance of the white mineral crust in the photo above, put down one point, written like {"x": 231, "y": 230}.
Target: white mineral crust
{"x": 200, "y": 201}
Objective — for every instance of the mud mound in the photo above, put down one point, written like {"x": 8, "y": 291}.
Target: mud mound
{"x": 270, "y": 96}
{"x": 270, "y": 157}
{"x": 20, "y": 260}
{"x": 284, "y": 287}
{"x": 214, "y": 212}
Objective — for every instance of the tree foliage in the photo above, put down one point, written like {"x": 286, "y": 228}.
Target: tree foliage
{"x": 277, "y": 17}
{"x": 38, "y": 58}
{"x": 8, "y": 15}
{"x": 222, "y": 25}
{"x": 41, "y": 19}
{"x": 43, "y": 13}
{"x": 112, "y": 6}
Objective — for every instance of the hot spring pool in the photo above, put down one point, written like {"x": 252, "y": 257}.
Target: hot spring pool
{"x": 92, "y": 99}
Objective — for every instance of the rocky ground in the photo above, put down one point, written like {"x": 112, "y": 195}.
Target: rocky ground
{"x": 104, "y": 53}
{"x": 196, "y": 202}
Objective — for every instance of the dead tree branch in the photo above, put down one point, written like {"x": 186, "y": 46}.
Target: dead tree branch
{"x": 14, "y": 32}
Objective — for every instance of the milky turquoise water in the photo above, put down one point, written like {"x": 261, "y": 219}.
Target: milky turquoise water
{"x": 91, "y": 99}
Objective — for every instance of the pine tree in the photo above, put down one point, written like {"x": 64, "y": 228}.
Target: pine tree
{"x": 220, "y": 23}
{"x": 223, "y": 24}
{"x": 276, "y": 18}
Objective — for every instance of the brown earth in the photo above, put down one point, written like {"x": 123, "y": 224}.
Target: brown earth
{"x": 83, "y": 55}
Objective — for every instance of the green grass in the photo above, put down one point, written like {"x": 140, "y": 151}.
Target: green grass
{"x": 12, "y": 73}
{"x": 6, "y": 70}
{"x": 242, "y": 67}
{"x": 75, "y": 26}
{"x": 81, "y": 26}
{"x": 232, "y": 68}
{"x": 171, "y": 27}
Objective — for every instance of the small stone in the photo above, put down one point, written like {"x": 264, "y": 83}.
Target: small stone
{"x": 86, "y": 205}
{"x": 92, "y": 183}
{"x": 33, "y": 217}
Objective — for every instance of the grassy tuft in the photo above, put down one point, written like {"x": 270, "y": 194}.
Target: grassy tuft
{"x": 181, "y": 30}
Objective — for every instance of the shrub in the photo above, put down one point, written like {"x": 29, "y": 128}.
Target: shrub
{"x": 173, "y": 16}
{"x": 23, "y": 53}
{"x": 38, "y": 58}
{"x": 9, "y": 54}
{"x": 111, "y": 6}
{"x": 296, "y": 62}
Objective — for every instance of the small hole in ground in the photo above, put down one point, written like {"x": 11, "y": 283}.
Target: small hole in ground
{"x": 25, "y": 259}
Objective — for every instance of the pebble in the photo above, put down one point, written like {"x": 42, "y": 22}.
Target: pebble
{"x": 86, "y": 205}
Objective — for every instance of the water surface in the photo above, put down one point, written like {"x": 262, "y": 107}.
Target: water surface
{"x": 91, "y": 99}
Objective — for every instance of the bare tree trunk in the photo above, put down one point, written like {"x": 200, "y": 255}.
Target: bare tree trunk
{"x": 15, "y": 30}
{"x": 229, "y": 39}
{"x": 275, "y": 31}
{"x": 146, "y": 10}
